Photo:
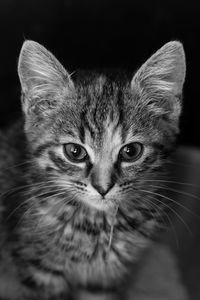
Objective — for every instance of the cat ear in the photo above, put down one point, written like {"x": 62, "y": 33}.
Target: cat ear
{"x": 159, "y": 82}
{"x": 41, "y": 73}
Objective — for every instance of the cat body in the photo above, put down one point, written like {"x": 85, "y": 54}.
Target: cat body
{"x": 77, "y": 207}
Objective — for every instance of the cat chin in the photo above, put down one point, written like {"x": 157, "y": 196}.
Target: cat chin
{"x": 105, "y": 205}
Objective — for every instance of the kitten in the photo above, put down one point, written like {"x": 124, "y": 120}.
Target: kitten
{"x": 77, "y": 203}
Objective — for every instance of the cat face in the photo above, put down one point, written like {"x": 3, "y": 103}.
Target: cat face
{"x": 99, "y": 140}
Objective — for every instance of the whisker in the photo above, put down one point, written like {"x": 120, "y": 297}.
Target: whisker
{"x": 61, "y": 208}
{"x": 177, "y": 203}
{"x": 33, "y": 204}
{"x": 170, "y": 221}
{"x": 32, "y": 185}
{"x": 172, "y": 181}
{"x": 18, "y": 165}
{"x": 157, "y": 208}
{"x": 176, "y": 191}
{"x": 35, "y": 196}
{"x": 21, "y": 187}
{"x": 180, "y": 218}
{"x": 182, "y": 164}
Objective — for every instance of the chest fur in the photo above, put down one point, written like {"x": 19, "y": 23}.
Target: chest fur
{"x": 80, "y": 248}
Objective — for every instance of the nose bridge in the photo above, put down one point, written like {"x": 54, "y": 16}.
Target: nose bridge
{"x": 101, "y": 174}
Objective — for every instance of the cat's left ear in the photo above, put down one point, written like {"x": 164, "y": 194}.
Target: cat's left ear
{"x": 159, "y": 82}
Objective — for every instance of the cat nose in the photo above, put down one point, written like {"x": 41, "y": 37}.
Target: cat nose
{"x": 102, "y": 185}
{"x": 101, "y": 190}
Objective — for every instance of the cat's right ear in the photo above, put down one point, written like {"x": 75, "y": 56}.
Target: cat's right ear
{"x": 41, "y": 74}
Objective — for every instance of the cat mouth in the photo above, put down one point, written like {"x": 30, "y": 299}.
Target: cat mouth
{"x": 101, "y": 203}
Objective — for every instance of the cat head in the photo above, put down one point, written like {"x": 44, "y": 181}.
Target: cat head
{"x": 95, "y": 138}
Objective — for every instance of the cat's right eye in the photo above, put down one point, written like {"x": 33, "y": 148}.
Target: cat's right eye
{"x": 131, "y": 152}
{"x": 75, "y": 153}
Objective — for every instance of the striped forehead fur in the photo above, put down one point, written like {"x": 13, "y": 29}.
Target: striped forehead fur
{"x": 103, "y": 106}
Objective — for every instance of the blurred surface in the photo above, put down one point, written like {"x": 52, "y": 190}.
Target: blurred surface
{"x": 183, "y": 237}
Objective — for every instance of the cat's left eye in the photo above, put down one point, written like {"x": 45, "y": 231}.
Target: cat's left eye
{"x": 75, "y": 152}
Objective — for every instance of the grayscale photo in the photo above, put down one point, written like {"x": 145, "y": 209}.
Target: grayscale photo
{"x": 99, "y": 150}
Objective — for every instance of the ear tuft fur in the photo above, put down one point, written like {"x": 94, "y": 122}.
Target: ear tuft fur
{"x": 39, "y": 71}
{"x": 161, "y": 79}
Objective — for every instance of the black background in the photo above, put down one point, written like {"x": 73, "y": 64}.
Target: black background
{"x": 100, "y": 33}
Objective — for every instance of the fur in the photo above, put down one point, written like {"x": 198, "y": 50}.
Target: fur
{"x": 59, "y": 233}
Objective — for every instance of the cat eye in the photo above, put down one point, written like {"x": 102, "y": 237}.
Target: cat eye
{"x": 75, "y": 152}
{"x": 131, "y": 152}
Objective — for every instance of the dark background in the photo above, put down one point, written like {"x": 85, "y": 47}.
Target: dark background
{"x": 100, "y": 33}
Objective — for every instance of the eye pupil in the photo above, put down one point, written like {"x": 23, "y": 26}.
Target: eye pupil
{"x": 130, "y": 150}
{"x": 76, "y": 151}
